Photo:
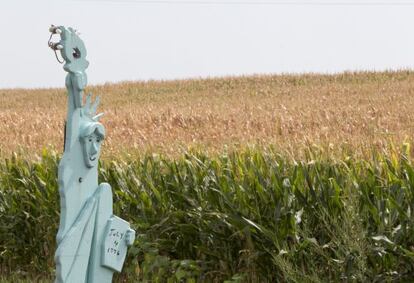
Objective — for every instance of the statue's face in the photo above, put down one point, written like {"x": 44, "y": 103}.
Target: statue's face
{"x": 91, "y": 145}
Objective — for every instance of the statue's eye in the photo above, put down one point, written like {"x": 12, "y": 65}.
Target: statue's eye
{"x": 76, "y": 53}
{"x": 90, "y": 139}
{"x": 98, "y": 140}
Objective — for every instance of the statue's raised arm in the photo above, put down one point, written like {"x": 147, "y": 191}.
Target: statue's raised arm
{"x": 92, "y": 242}
{"x": 73, "y": 52}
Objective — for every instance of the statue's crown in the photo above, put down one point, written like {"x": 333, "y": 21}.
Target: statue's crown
{"x": 89, "y": 109}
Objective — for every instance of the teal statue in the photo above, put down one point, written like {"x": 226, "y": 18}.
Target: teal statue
{"x": 91, "y": 241}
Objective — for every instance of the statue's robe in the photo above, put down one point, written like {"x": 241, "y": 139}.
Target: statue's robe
{"x": 78, "y": 250}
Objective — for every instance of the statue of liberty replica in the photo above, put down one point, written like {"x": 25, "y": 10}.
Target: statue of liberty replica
{"x": 91, "y": 241}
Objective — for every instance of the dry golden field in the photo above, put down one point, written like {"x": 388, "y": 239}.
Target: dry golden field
{"x": 351, "y": 111}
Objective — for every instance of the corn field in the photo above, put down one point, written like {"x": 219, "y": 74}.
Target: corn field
{"x": 306, "y": 178}
{"x": 350, "y": 112}
{"x": 251, "y": 215}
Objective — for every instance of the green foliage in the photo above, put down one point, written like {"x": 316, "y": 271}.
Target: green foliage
{"x": 247, "y": 216}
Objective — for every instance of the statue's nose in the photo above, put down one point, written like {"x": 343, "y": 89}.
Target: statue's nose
{"x": 94, "y": 149}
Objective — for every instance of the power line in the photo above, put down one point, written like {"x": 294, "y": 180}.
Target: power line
{"x": 280, "y": 3}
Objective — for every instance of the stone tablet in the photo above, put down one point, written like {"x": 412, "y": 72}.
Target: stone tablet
{"x": 118, "y": 235}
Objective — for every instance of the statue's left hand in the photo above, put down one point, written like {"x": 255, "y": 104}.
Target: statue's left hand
{"x": 130, "y": 237}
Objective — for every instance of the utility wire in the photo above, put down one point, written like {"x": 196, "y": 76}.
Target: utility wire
{"x": 280, "y": 3}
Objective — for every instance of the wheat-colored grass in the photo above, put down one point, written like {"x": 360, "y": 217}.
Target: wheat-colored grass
{"x": 355, "y": 111}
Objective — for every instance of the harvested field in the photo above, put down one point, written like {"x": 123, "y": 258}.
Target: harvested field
{"x": 355, "y": 111}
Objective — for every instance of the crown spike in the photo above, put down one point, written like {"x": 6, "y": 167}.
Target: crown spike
{"x": 96, "y": 117}
{"x": 95, "y": 105}
{"x": 88, "y": 103}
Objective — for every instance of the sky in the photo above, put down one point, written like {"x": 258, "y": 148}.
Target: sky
{"x": 145, "y": 40}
